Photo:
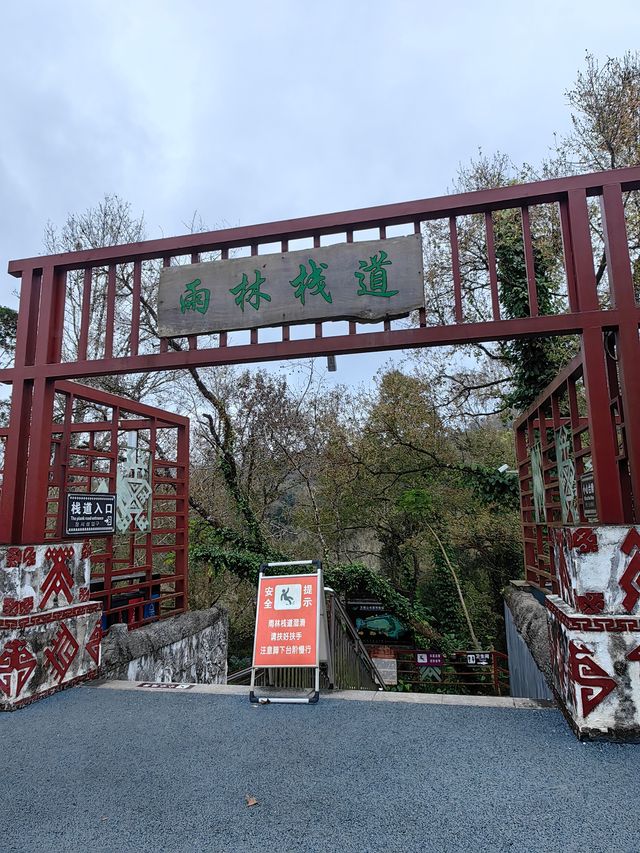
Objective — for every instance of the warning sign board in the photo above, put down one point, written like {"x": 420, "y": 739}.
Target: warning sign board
{"x": 287, "y": 621}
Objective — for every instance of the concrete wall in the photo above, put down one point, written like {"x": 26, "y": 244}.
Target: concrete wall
{"x": 595, "y": 630}
{"x": 190, "y": 648}
{"x": 49, "y": 630}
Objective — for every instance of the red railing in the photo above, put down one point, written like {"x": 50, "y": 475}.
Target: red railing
{"x": 556, "y": 463}
{"x": 464, "y": 671}
{"x": 138, "y": 574}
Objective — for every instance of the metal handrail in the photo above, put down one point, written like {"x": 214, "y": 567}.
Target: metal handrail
{"x": 353, "y": 668}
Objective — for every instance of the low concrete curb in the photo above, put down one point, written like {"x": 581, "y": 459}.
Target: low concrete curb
{"x": 348, "y": 695}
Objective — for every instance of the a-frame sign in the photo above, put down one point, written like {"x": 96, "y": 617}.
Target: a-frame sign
{"x": 291, "y": 626}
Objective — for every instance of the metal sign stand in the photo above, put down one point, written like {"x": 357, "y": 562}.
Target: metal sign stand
{"x": 322, "y": 639}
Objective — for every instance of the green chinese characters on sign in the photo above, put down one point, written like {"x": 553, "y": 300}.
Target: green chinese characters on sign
{"x": 250, "y": 292}
{"x": 195, "y": 298}
{"x": 375, "y": 271}
{"x": 312, "y": 282}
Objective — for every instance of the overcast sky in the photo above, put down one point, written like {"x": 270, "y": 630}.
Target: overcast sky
{"x": 253, "y": 111}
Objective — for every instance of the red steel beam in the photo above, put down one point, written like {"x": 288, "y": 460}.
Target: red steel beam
{"x": 393, "y": 339}
{"x": 566, "y": 373}
{"x": 602, "y": 430}
{"x": 463, "y": 204}
{"x": 96, "y": 395}
{"x": 628, "y": 345}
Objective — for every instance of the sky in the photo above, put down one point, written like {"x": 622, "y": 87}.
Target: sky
{"x": 254, "y": 111}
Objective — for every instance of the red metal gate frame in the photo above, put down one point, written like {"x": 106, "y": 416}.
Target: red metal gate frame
{"x": 149, "y": 567}
{"x": 39, "y": 363}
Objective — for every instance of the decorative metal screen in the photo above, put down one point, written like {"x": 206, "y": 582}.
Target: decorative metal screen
{"x": 537, "y": 478}
{"x": 133, "y": 508}
{"x": 566, "y": 476}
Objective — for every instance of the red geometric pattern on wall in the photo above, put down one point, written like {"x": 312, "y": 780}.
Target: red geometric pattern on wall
{"x": 60, "y": 656}
{"x": 15, "y": 657}
{"x": 595, "y": 683}
{"x": 634, "y": 655}
{"x": 93, "y": 643}
{"x": 631, "y": 541}
{"x": 611, "y": 624}
{"x": 629, "y": 583}
{"x": 84, "y": 593}
{"x": 29, "y": 556}
{"x": 17, "y": 606}
{"x": 590, "y": 603}
{"x": 14, "y": 558}
{"x": 86, "y": 549}
{"x": 585, "y": 540}
{"x": 59, "y": 580}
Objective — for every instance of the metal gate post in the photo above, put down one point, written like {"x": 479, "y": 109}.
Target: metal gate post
{"x": 48, "y": 346}
{"x": 604, "y": 449}
{"x": 627, "y": 343}
{"x": 20, "y": 419}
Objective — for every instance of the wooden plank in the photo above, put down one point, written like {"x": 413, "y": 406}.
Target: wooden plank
{"x": 351, "y": 281}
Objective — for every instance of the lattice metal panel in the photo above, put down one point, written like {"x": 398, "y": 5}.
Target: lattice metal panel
{"x": 566, "y": 476}
{"x": 140, "y": 573}
{"x": 554, "y": 442}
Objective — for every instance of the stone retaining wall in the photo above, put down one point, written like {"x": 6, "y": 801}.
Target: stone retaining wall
{"x": 189, "y": 648}
{"x": 530, "y": 620}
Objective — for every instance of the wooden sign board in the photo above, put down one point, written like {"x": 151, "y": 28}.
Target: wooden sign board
{"x": 367, "y": 282}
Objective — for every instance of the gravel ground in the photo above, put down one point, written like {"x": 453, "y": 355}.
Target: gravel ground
{"x": 144, "y": 770}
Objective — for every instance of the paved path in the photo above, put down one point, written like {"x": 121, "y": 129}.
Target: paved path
{"x": 165, "y": 770}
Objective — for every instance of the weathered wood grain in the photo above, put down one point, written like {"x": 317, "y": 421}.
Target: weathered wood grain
{"x": 287, "y": 279}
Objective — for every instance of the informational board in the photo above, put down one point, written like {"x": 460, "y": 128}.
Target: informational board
{"x": 366, "y": 281}
{"x": 287, "y": 621}
{"x": 430, "y": 658}
{"x": 89, "y": 514}
{"x": 588, "y": 488}
{"x": 479, "y": 658}
{"x": 365, "y": 605}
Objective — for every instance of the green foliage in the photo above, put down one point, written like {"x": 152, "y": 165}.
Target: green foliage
{"x": 8, "y": 330}
{"x": 440, "y": 596}
{"x": 416, "y": 503}
{"x": 217, "y": 550}
{"x": 534, "y": 362}
{"x": 494, "y": 487}
{"x": 357, "y": 579}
